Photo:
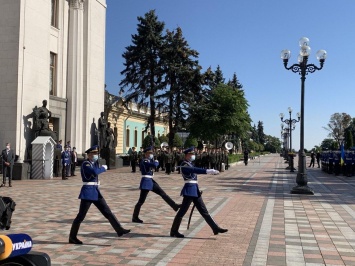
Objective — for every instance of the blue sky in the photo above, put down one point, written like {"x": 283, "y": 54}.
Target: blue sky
{"x": 246, "y": 37}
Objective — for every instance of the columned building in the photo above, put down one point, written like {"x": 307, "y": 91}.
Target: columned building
{"x": 129, "y": 123}
{"x": 51, "y": 50}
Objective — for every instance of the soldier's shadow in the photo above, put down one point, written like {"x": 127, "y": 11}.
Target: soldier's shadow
{"x": 51, "y": 242}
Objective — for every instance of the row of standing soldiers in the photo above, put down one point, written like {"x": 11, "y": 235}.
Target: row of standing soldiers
{"x": 333, "y": 163}
{"x": 169, "y": 159}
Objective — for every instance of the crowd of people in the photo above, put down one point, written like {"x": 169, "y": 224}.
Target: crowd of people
{"x": 170, "y": 158}
{"x": 66, "y": 160}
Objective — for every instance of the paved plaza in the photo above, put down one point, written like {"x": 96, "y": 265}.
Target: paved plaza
{"x": 267, "y": 225}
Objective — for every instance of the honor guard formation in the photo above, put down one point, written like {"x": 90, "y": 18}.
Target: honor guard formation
{"x": 188, "y": 162}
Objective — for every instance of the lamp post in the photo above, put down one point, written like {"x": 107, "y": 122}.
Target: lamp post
{"x": 291, "y": 125}
{"x": 284, "y": 135}
{"x": 302, "y": 68}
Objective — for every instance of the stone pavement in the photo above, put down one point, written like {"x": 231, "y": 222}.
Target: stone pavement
{"x": 267, "y": 225}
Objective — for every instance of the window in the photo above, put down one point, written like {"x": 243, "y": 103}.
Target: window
{"x": 52, "y": 74}
{"x": 135, "y": 138}
{"x": 142, "y": 137}
{"x": 54, "y": 13}
{"x": 127, "y": 137}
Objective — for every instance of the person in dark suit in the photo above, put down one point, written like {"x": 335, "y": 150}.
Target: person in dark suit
{"x": 133, "y": 158}
{"x": 73, "y": 161}
{"x": 90, "y": 194}
{"x": 191, "y": 193}
{"x": 59, "y": 145}
{"x": 8, "y": 159}
{"x": 148, "y": 184}
{"x": 66, "y": 161}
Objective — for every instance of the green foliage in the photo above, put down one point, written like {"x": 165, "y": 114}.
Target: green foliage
{"x": 337, "y": 124}
{"x": 143, "y": 69}
{"x": 349, "y": 142}
{"x": 147, "y": 142}
{"x": 222, "y": 111}
{"x": 163, "y": 138}
{"x": 177, "y": 141}
{"x": 272, "y": 144}
{"x": 328, "y": 144}
{"x": 190, "y": 141}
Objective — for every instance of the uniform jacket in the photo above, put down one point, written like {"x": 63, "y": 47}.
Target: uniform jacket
{"x": 147, "y": 167}
{"x": 66, "y": 157}
{"x": 189, "y": 173}
{"x": 8, "y": 157}
{"x": 90, "y": 173}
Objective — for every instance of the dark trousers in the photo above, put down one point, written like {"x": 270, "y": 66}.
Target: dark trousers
{"x": 133, "y": 164}
{"x": 6, "y": 172}
{"x": 186, "y": 202}
{"x": 168, "y": 168}
{"x": 66, "y": 170}
{"x": 72, "y": 168}
{"x": 213, "y": 166}
{"x": 100, "y": 204}
{"x": 312, "y": 163}
{"x": 157, "y": 190}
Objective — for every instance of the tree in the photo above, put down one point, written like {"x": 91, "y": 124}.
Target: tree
{"x": 177, "y": 141}
{"x": 190, "y": 141}
{"x": 143, "y": 69}
{"x": 218, "y": 77}
{"x": 260, "y": 132}
{"x": 222, "y": 111}
{"x": 349, "y": 142}
{"x": 273, "y": 144}
{"x": 234, "y": 83}
{"x": 327, "y": 144}
{"x": 147, "y": 142}
{"x": 182, "y": 79}
{"x": 337, "y": 124}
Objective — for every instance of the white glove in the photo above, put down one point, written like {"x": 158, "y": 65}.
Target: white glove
{"x": 104, "y": 166}
{"x": 212, "y": 172}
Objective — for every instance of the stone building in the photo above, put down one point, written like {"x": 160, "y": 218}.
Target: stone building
{"x": 51, "y": 50}
{"x": 129, "y": 123}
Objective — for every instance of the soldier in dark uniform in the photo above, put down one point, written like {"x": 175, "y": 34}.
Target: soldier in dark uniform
{"x": 318, "y": 158}
{"x": 168, "y": 158}
{"x": 66, "y": 163}
{"x": 148, "y": 184}
{"x": 348, "y": 164}
{"x": 198, "y": 160}
{"x": 191, "y": 193}
{"x": 179, "y": 159}
{"x": 336, "y": 159}
{"x": 331, "y": 156}
{"x": 173, "y": 165}
{"x": 313, "y": 157}
{"x": 157, "y": 155}
{"x": 213, "y": 159}
{"x": 90, "y": 194}
{"x": 133, "y": 158}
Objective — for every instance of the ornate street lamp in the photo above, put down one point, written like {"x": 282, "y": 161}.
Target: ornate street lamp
{"x": 291, "y": 125}
{"x": 302, "y": 68}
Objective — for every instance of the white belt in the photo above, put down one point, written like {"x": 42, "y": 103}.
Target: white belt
{"x": 191, "y": 181}
{"x": 147, "y": 176}
{"x": 91, "y": 183}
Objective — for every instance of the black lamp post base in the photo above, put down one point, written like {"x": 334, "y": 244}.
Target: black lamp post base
{"x": 305, "y": 190}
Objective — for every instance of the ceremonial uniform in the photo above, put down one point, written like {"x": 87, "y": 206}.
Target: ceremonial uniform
{"x": 66, "y": 163}
{"x": 90, "y": 194}
{"x": 191, "y": 193}
{"x": 148, "y": 184}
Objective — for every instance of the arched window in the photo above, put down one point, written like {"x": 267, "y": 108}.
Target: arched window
{"x": 135, "y": 137}
{"x": 127, "y": 137}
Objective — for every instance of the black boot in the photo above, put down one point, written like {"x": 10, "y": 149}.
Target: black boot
{"x": 73, "y": 233}
{"x": 174, "y": 232}
{"x": 171, "y": 203}
{"x": 117, "y": 226}
{"x": 137, "y": 209}
{"x": 216, "y": 229}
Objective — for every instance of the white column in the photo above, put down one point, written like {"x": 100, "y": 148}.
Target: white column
{"x": 74, "y": 127}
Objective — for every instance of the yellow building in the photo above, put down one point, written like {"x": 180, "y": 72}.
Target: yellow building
{"x": 129, "y": 123}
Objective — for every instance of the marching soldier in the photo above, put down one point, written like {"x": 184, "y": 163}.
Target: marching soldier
{"x": 133, "y": 158}
{"x": 336, "y": 163}
{"x": 90, "y": 194}
{"x": 348, "y": 164}
{"x": 173, "y": 165}
{"x": 179, "y": 158}
{"x": 148, "y": 184}
{"x": 191, "y": 193}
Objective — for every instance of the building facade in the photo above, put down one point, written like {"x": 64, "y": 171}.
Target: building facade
{"x": 129, "y": 123}
{"x": 51, "y": 50}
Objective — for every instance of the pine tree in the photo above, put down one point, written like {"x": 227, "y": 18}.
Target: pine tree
{"x": 143, "y": 71}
